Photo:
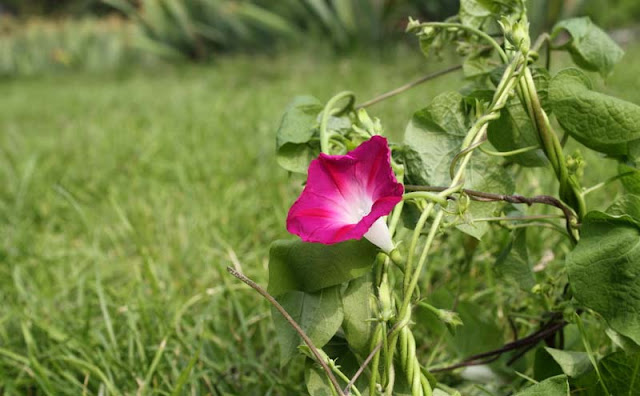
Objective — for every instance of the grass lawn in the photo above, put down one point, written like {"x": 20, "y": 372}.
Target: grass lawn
{"x": 124, "y": 197}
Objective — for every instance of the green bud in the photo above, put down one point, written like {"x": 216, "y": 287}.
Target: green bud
{"x": 397, "y": 258}
{"x": 384, "y": 295}
{"x": 463, "y": 48}
{"x": 516, "y": 32}
{"x": 428, "y": 31}
{"x": 412, "y": 25}
{"x": 367, "y": 125}
{"x": 576, "y": 164}
{"x": 520, "y": 36}
{"x": 449, "y": 318}
{"x": 463, "y": 203}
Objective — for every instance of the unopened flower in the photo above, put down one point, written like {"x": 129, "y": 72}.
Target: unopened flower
{"x": 346, "y": 197}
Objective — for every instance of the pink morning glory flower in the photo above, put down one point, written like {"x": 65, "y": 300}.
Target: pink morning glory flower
{"x": 346, "y": 197}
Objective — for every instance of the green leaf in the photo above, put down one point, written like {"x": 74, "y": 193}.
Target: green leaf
{"x": 514, "y": 130}
{"x": 410, "y": 215}
{"x": 414, "y": 172}
{"x": 308, "y": 267}
{"x": 477, "y": 65}
{"x": 318, "y": 314}
{"x": 513, "y": 262}
{"x": 316, "y": 380}
{"x": 440, "y": 392}
{"x": 480, "y": 333}
{"x": 626, "y": 205}
{"x": 620, "y": 374}
{"x": 604, "y": 270}
{"x": 554, "y": 386}
{"x": 428, "y": 319}
{"x": 401, "y": 387}
{"x": 434, "y": 135}
{"x": 357, "y": 325}
{"x": 541, "y": 79}
{"x": 483, "y": 174}
{"x": 338, "y": 350}
{"x": 590, "y": 47}
{"x": 269, "y": 20}
{"x": 474, "y": 13}
{"x": 544, "y": 366}
{"x": 294, "y": 146}
{"x": 621, "y": 341}
{"x": 426, "y": 43}
{"x": 631, "y": 182}
{"x": 572, "y": 363}
{"x": 600, "y": 122}
{"x": 634, "y": 152}
{"x": 482, "y": 95}
{"x": 431, "y": 41}
{"x": 123, "y": 6}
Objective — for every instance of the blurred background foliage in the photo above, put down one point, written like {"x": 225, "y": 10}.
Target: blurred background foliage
{"x": 91, "y": 44}
{"x": 51, "y": 35}
{"x": 54, "y": 8}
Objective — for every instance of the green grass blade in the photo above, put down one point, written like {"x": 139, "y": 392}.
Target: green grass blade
{"x": 184, "y": 375}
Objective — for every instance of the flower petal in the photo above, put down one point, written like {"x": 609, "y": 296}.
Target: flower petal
{"x": 345, "y": 195}
{"x": 374, "y": 168}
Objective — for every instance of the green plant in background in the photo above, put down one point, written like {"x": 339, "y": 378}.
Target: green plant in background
{"x": 352, "y": 291}
{"x": 349, "y": 24}
{"x": 191, "y": 30}
{"x": 40, "y": 8}
{"x": 198, "y": 29}
{"x": 42, "y": 46}
{"x": 612, "y": 14}
{"x": 608, "y": 14}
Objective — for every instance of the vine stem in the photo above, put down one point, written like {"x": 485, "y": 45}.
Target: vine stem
{"x": 529, "y": 341}
{"x": 508, "y": 153}
{"x": 414, "y": 279}
{"x": 350, "y": 386}
{"x": 514, "y": 199}
{"x": 604, "y": 183}
{"x": 293, "y": 324}
{"x": 364, "y": 364}
{"x": 475, "y": 135}
{"x": 569, "y": 186}
{"x": 542, "y": 39}
{"x": 330, "y": 110}
{"x": 519, "y": 218}
{"x": 408, "y": 86}
{"x": 590, "y": 354}
{"x": 414, "y": 243}
{"x": 424, "y": 195}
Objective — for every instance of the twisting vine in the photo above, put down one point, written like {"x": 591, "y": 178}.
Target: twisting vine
{"x": 409, "y": 361}
{"x": 348, "y": 196}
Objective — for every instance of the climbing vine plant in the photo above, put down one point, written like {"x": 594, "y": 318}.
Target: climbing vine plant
{"x": 424, "y": 267}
